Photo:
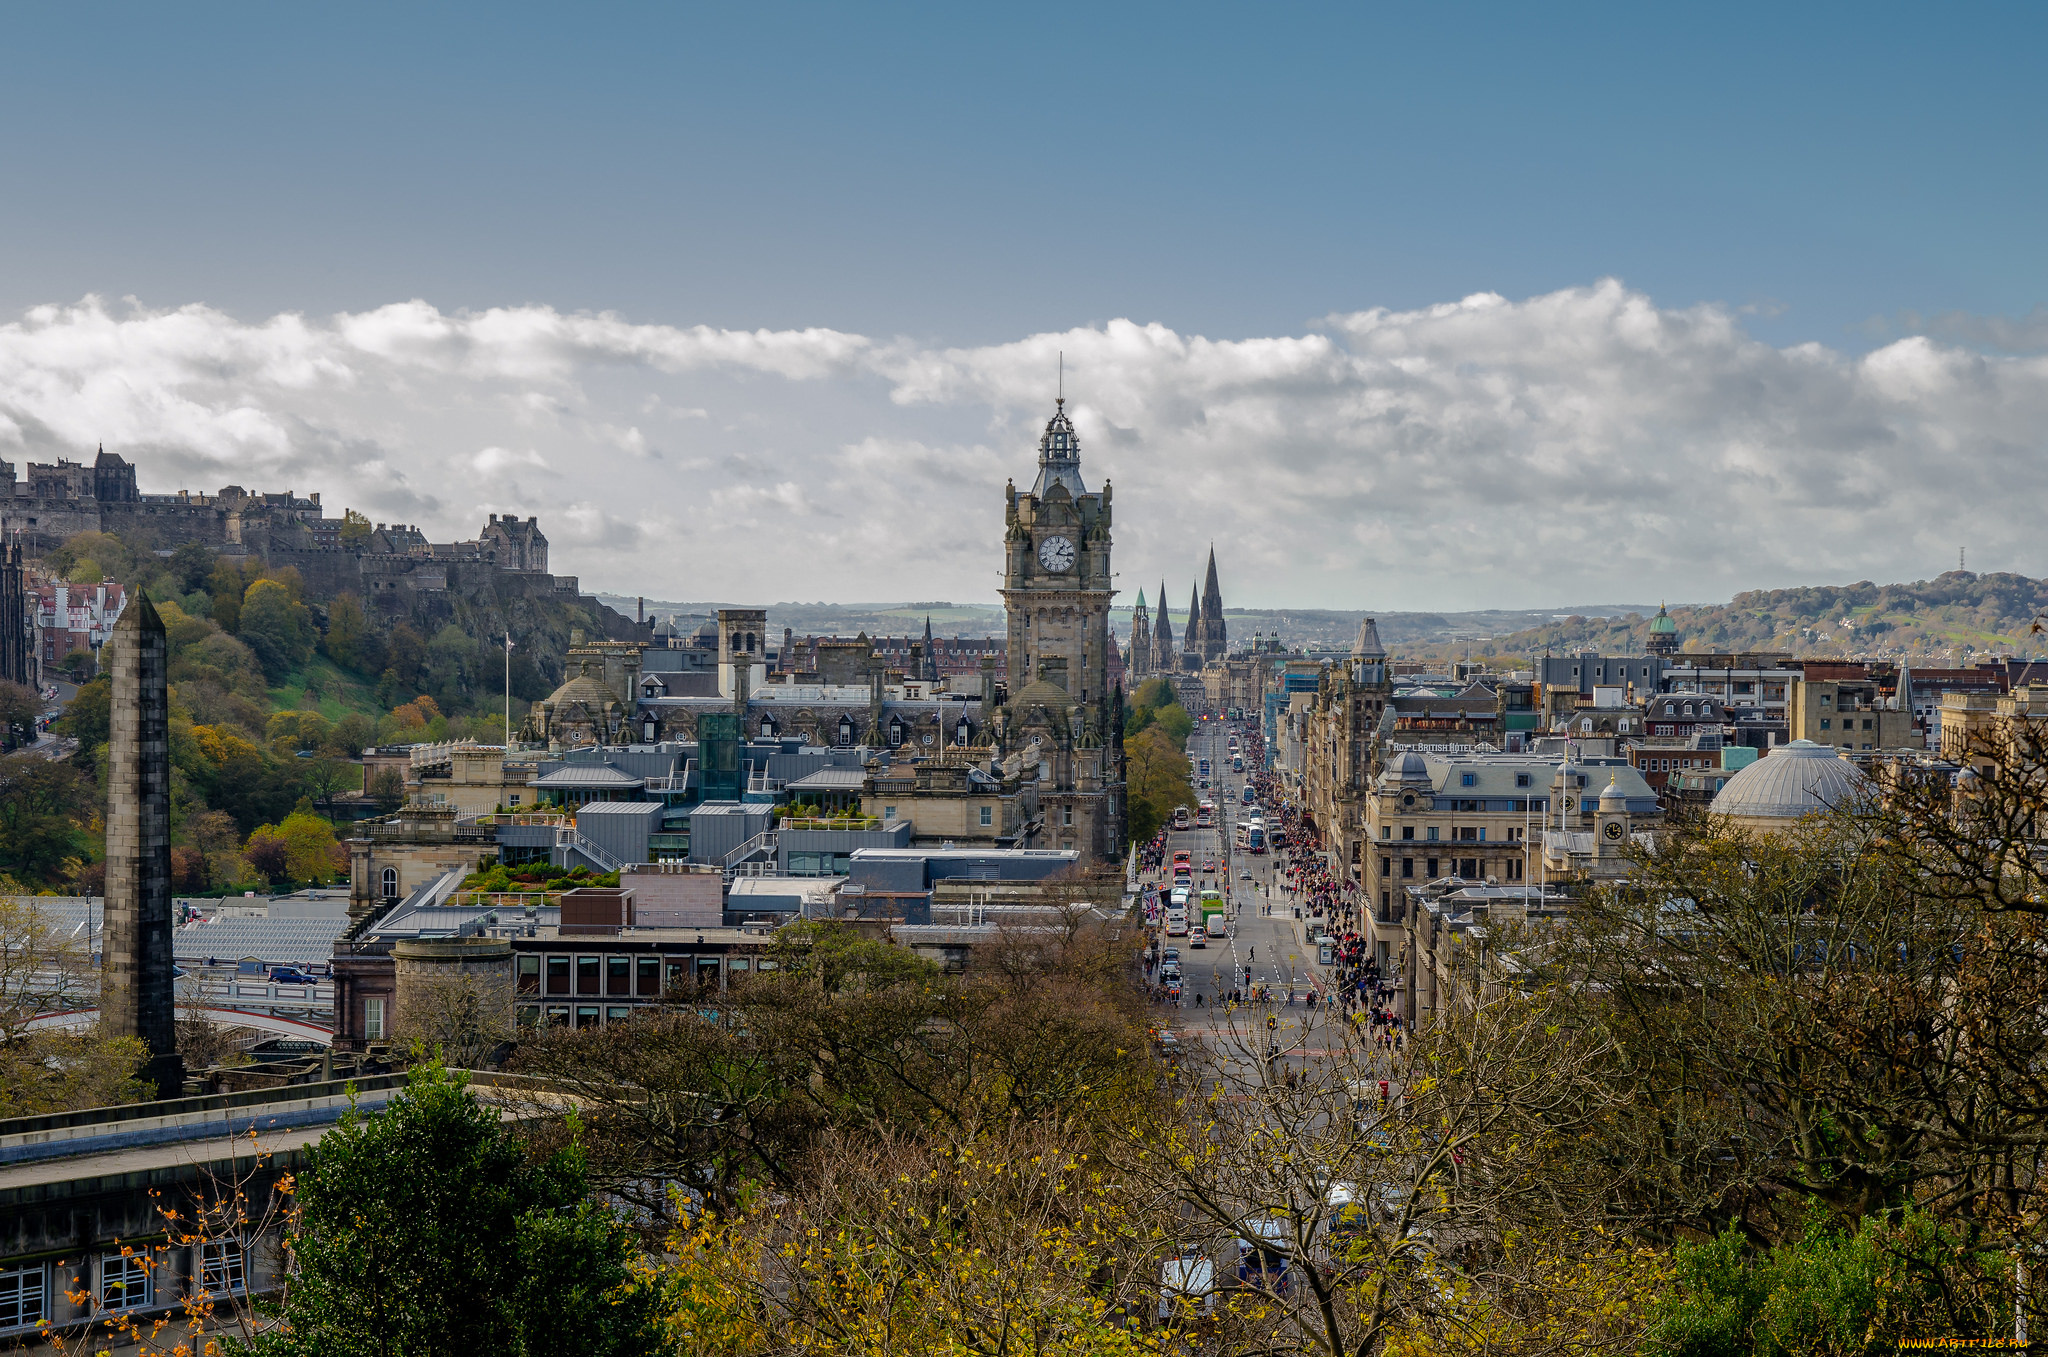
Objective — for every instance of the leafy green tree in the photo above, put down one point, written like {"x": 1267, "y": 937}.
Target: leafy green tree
{"x": 1155, "y": 703}
{"x": 406, "y": 652}
{"x": 227, "y": 584}
{"x": 277, "y": 628}
{"x": 1827, "y": 1291}
{"x": 351, "y": 735}
{"x": 41, "y": 803}
{"x": 88, "y": 718}
{"x": 355, "y": 530}
{"x": 191, "y": 563}
{"x": 425, "y": 1231}
{"x": 346, "y": 627}
{"x": 19, "y": 708}
{"x": 1156, "y": 779}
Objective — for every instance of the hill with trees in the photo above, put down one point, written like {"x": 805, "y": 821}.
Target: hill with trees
{"x": 275, "y": 692}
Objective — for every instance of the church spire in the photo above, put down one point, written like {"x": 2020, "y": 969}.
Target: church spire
{"x": 1215, "y": 638}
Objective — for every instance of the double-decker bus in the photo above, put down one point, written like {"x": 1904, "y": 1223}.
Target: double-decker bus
{"x": 1255, "y": 836}
{"x": 1204, "y": 772}
{"x": 1181, "y": 819}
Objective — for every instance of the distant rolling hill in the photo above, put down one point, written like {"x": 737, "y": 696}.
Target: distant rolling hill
{"x": 1949, "y": 617}
{"x": 1929, "y": 619}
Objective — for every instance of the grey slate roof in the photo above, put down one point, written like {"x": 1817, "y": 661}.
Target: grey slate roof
{"x": 829, "y": 780}
{"x": 588, "y": 775}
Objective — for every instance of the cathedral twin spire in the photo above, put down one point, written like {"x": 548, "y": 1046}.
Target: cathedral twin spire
{"x": 1205, "y": 638}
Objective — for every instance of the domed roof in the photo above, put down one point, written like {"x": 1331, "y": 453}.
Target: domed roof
{"x": 1796, "y": 779}
{"x": 1662, "y": 624}
{"x": 1407, "y": 766}
{"x": 1613, "y": 798}
{"x": 1042, "y": 693}
{"x": 585, "y": 689}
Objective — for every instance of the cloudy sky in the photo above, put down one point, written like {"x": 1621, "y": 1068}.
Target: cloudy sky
{"x": 1487, "y": 307}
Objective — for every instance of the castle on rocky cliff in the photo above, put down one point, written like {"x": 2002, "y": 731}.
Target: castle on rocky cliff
{"x": 393, "y": 568}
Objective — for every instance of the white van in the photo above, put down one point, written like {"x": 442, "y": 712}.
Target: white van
{"x": 1187, "y": 1289}
{"x": 1219, "y": 927}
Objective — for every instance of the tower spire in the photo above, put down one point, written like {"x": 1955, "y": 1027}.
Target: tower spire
{"x": 1059, "y": 451}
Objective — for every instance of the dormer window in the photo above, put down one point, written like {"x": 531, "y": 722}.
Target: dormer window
{"x": 845, "y": 731}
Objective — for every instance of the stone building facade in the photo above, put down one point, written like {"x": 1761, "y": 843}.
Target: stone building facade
{"x": 1345, "y": 725}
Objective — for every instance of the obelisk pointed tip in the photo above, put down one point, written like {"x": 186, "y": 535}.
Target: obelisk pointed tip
{"x": 146, "y": 618}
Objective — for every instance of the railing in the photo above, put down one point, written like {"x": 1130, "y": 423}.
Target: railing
{"x": 427, "y": 755}
{"x": 821, "y": 822}
{"x": 505, "y": 899}
{"x": 596, "y": 853}
{"x": 267, "y": 995}
{"x": 764, "y": 842}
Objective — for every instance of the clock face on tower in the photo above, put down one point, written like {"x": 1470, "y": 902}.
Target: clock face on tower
{"x": 1056, "y": 554}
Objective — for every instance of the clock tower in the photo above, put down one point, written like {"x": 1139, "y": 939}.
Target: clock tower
{"x": 1057, "y": 588}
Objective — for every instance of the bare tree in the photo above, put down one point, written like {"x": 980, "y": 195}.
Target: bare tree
{"x": 1375, "y": 1194}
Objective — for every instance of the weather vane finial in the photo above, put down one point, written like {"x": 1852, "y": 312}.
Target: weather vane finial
{"x": 1062, "y": 397}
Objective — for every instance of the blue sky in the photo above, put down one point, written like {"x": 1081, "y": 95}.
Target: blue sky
{"x": 953, "y": 179}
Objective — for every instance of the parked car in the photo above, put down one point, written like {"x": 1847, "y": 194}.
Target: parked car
{"x": 1187, "y": 1289}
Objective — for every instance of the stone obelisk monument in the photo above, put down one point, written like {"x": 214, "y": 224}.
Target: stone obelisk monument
{"x": 136, "y": 998}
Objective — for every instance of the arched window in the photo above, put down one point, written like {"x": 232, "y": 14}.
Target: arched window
{"x": 390, "y": 883}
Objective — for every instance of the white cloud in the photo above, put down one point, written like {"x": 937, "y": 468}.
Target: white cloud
{"x": 1578, "y": 447}
{"x": 504, "y": 459}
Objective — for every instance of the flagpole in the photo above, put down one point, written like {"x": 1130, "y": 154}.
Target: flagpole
{"x": 508, "y": 692}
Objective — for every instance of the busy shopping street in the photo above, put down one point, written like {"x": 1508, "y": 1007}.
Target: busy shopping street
{"x": 1249, "y": 928}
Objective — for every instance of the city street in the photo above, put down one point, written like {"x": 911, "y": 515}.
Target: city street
{"x": 1262, "y": 949}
